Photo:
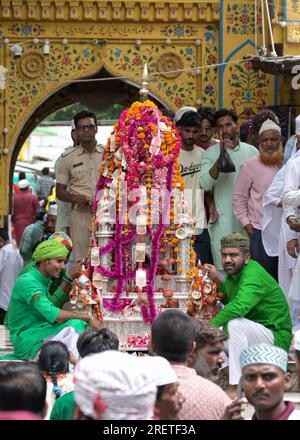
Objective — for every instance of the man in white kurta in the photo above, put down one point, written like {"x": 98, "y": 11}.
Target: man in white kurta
{"x": 223, "y": 183}
{"x": 291, "y": 203}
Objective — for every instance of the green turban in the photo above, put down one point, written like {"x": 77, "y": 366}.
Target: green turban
{"x": 235, "y": 240}
{"x": 49, "y": 249}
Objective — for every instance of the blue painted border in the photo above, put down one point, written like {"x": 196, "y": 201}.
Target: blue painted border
{"x": 221, "y": 55}
{"x": 222, "y": 68}
{"x": 284, "y": 10}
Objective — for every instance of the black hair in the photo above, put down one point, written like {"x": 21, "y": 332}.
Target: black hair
{"x": 173, "y": 334}
{"x": 206, "y": 333}
{"x": 54, "y": 359}
{"x": 189, "y": 119}
{"x": 207, "y": 113}
{"x": 39, "y": 214}
{"x": 84, "y": 114}
{"x": 167, "y": 112}
{"x": 4, "y": 234}
{"x": 22, "y": 388}
{"x": 45, "y": 171}
{"x": 22, "y": 175}
{"x": 225, "y": 112}
{"x": 96, "y": 341}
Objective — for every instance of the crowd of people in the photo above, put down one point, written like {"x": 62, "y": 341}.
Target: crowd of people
{"x": 243, "y": 188}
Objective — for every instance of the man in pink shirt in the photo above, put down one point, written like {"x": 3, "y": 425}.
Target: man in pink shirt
{"x": 24, "y": 206}
{"x": 173, "y": 337}
{"x": 255, "y": 177}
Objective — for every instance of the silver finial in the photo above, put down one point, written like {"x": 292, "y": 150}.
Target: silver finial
{"x": 144, "y": 91}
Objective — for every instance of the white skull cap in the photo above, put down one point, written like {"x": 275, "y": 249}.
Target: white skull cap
{"x": 269, "y": 125}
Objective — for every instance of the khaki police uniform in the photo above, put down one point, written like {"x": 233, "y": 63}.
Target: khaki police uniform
{"x": 78, "y": 169}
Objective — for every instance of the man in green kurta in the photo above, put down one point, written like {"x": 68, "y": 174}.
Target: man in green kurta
{"x": 35, "y": 315}
{"x": 222, "y": 220}
{"x": 255, "y": 308}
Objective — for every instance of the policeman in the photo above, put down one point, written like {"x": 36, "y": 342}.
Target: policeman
{"x": 78, "y": 169}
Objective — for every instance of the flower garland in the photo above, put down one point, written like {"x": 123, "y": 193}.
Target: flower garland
{"x": 142, "y": 151}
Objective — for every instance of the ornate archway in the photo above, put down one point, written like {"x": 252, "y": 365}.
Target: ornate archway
{"x": 49, "y": 48}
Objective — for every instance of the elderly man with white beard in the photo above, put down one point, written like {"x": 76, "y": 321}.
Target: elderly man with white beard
{"x": 255, "y": 176}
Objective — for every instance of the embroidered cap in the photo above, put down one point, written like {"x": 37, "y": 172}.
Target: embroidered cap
{"x": 264, "y": 354}
{"x": 269, "y": 125}
{"x": 235, "y": 240}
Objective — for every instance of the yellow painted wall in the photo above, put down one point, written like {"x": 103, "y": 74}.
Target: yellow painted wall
{"x": 182, "y": 41}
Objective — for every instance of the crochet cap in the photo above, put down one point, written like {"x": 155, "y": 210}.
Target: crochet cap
{"x": 235, "y": 240}
{"x": 264, "y": 354}
{"x": 269, "y": 125}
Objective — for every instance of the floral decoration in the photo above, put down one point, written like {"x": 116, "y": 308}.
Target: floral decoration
{"x": 210, "y": 75}
{"x": 240, "y": 19}
{"x": 141, "y": 152}
{"x": 248, "y": 88}
{"x": 178, "y": 90}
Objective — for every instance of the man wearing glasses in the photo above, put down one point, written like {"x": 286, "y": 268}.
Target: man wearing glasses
{"x": 78, "y": 168}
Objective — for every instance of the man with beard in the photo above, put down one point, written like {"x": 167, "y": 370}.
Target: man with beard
{"x": 255, "y": 307}
{"x": 208, "y": 356}
{"x": 264, "y": 381}
{"x": 223, "y": 221}
{"x": 255, "y": 177}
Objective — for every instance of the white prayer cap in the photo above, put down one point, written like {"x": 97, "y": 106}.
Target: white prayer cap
{"x": 269, "y": 125}
{"x": 181, "y": 111}
{"x": 296, "y": 340}
{"x": 297, "y": 124}
{"x": 160, "y": 369}
{"x": 73, "y": 125}
{"x": 114, "y": 386}
{"x": 264, "y": 354}
{"x": 23, "y": 183}
{"x": 52, "y": 210}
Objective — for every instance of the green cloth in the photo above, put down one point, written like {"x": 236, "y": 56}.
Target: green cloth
{"x": 63, "y": 408}
{"x": 49, "y": 249}
{"x": 223, "y": 189}
{"x": 255, "y": 295}
{"x": 56, "y": 282}
{"x": 31, "y": 235}
{"x": 235, "y": 240}
{"x": 32, "y": 314}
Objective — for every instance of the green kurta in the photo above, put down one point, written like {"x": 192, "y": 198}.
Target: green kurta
{"x": 223, "y": 189}
{"x": 255, "y": 295}
{"x": 32, "y": 321}
{"x": 55, "y": 282}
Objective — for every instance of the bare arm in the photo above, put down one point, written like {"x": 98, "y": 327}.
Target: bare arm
{"x": 66, "y": 196}
{"x": 65, "y": 315}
